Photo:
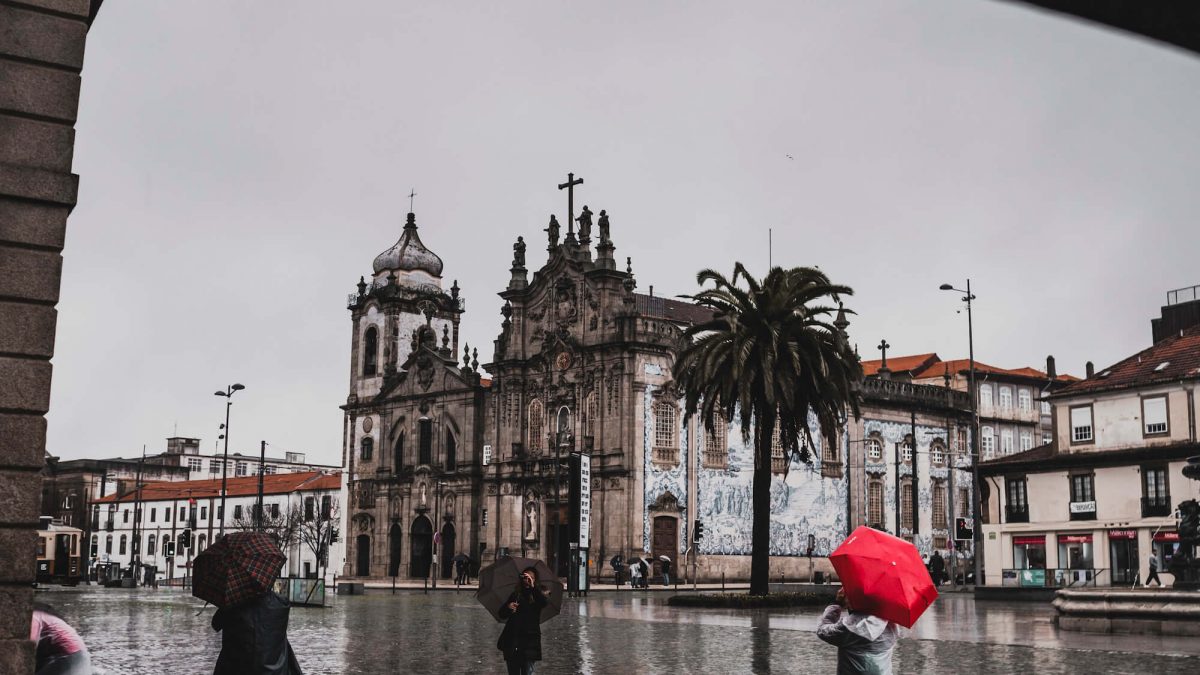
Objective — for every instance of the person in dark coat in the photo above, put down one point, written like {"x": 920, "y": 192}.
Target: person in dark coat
{"x": 937, "y": 568}
{"x": 645, "y": 573}
{"x": 521, "y": 639}
{"x": 254, "y": 638}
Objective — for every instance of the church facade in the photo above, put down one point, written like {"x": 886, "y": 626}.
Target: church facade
{"x": 443, "y": 461}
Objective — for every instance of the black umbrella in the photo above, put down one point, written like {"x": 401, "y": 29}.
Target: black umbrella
{"x": 499, "y": 580}
{"x": 461, "y": 557}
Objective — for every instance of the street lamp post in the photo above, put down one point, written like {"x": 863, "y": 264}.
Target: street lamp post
{"x": 228, "y": 394}
{"x": 977, "y": 496}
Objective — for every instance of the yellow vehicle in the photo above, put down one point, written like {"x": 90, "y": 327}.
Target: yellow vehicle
{"x": 59, "y": 554}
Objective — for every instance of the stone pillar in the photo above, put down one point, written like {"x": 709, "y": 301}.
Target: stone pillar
{"x": 41, "y": 57}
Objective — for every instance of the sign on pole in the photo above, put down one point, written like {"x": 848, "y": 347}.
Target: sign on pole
{"x": 487, "y": 455}
{"x": 585, "y": 501}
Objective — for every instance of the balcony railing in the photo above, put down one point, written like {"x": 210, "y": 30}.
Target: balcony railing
{"x": 929, "y": 394}
{"x": 716, "y": 459}
{"x": 1016, "y": 514}
{"x": 1156, "y": 506}
{"x": 1055, "y": 577}
{"x": 666, "y": 456}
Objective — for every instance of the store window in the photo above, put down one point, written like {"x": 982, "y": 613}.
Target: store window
{"x": 1029, "y": 552}
{"x": 1075, "y": 551}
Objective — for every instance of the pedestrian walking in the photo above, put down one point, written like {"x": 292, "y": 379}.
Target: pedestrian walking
{"x": 937, "y": 567}
{"x": 58, "y": 649}
{"x": 460, "y": 568}
{"x": 865, "y": 642}
{"x": 665, "y": 566}
{"x": 618, "y": 564}
{"x": 254, "y": 638}
{"x": 635, "y": 574}
{"x": 1153, "y": 576}
{"x": 521, "y": 639}
{"x": 645, "y": 567}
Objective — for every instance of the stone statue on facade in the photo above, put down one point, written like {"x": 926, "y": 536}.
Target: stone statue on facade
{"x": 531, "y": 518}
{"x": 519, "y": 253}
{"x": 603, "y": 225}
{"x": 585, "y": 224}
{"x": 552, "y": 230}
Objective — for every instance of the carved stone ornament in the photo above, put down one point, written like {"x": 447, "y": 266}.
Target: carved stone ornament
{"x": 425, "y": 371}
{"x": 425, "y": 405}
{"x": 564, "y": 300}
{"x": 368, "y": 424}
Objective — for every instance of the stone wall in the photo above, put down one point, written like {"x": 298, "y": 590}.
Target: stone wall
{"x": 41, "y": 57}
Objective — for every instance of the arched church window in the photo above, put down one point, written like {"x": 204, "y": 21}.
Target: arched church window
{"x": 537, "y": 426}
{"x": 716, "y": 444}
{"x": 398, "y": 453}
{"x": 563, "y": 434}
{"x": 425, "y": 441}
{"x": 451, "y": 451}
{"x": 666, "y": 433}
{"x": 370, "y": 352}
{"x": 368, "y": 448}
{"x": 779, "y": 458}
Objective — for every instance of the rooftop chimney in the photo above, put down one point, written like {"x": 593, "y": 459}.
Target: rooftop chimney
{"x": 1051, "y": 371}
{"x": 1091, "y": 370}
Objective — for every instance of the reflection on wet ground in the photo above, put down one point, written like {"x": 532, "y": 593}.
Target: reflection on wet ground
{"x": 159, "y": 631}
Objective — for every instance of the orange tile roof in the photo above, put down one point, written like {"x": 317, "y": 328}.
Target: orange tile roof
{"x": 241, "y": 486}
{"x": 900, "y": 364}
{"x": 962, "y": 365}
{"x": 1172, "y": 359}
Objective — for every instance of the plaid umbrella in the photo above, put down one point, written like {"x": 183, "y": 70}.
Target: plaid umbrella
{"x": 240, "y": 567}
{"x": 498, "y": 581}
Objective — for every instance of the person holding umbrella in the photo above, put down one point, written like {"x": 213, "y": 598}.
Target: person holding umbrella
{"x": 521, "y": 639}
{"x": 237, "y": 574}
{"x": 865, "y": 642}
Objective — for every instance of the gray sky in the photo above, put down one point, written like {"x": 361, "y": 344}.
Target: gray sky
{"x": 242, "y": 163}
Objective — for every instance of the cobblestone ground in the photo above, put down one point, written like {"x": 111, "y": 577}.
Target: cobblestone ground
{"x": 160, "y": 631}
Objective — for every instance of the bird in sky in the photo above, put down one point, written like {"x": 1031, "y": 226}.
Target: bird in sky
{"x": 790, "y": 157}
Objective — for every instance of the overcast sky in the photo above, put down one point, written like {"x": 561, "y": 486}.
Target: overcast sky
{"x": 242, "y": 163}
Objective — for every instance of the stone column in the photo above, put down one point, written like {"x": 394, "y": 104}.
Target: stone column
{"x": 41, "y": 57}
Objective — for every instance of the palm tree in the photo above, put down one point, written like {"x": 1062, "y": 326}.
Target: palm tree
{"x": 771, "y": 354}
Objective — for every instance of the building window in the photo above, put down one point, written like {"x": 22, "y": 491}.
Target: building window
{"x": 425, "y": 441}
{"x": 666, "y": 434}
{"x": 1017, "y": 508}
{"x": 269, "y": 469}
{"x": 987, "y": 442}
{"x": 367, "y": 449}
{"x": 906, "y": 450}
{"x": 203, "y": 543}
{"x": 589, "y": 415}
{"x": 151, "y": 544}
{"x": 451, "y": 451}
{"x": 1156, "y": 500}
{"x": 237, "y": 511}
{"x": 939, "y": 507}
{"x": 829, "y": 451}
{"x": 537, "y": 426}
{"x": 203, "y": 513}
{"x": 124, "y": 543}
{"x": 1081, "y": 488}
{"x": 95, "y": 550}
{"x": 962, "y": 505}
{"x": 779, "y": 459}
{"x": 215, "y": 466}
{"x": 716, "y": 444}
{"x": 1046, "y": 410}
{"x": 370, "y": 352}
{"x": 1025, "y": 399}
{"x": 906, "y": 505}
{"x": 182, "y": 513}
{"x": 154, "y": 512}
{"x": 1081, "y": 424}
{"x": 398, "y": 453}
{"x": 875, "y": 504}
{"x": 1154, "y": 415}
{"x": 985, "y": 396}
{"x": 310, "y": 509}
{"x": 1006, "y": 398}
{"x": 1026, "y": 440}
{"x": 937, "y": 453}
{"x": 239, "y": 469}
{"x": 940, "y": 543}
{"x": 874, "y": 449}
{"x": 1006, "y": 441}
{"x": 125, "y": 515}
{"x": 326, "y": 507}
{"x": 195, "y": 464}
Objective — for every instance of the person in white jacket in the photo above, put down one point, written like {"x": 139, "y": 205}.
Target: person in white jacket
{"x": 865, "y": 642}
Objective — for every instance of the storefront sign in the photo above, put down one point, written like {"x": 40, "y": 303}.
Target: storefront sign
{"x": 1083, "y": 507}
{"x": 1166, "y": 536}
{"x": 1122, "y": 534}
{"x": 1038, "y": 540}
{"x": 1074, "y": 538}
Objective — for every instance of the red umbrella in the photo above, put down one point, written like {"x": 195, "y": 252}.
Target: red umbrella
{"x": 239, "y": 567}
{"x": 884, "y": 576}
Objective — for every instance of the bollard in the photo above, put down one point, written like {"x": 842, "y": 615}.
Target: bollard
{"x": 393, "y": 584}
{"x": 722, "y": 580}
{"x": 426, "y": 580}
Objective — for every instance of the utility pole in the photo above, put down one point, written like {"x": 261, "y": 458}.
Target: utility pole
{"x": 262, "y": 459}
{"x": 136, "y": 550}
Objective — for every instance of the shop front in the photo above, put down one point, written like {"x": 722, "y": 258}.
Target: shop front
{"x": 1165, "y": 546}
{"x": 1075, "y": 560}
{"x": 1029, "y": 559}
{"x": 1123, "y": 556}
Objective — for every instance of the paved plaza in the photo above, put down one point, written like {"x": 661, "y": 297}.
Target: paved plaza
{"x": 165, "y": 631}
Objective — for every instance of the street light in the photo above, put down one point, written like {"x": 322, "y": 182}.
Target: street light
{"x": 228, "y": 394}
{"x": 974, "y": 445}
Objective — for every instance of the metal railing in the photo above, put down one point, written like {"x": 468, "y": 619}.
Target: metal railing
{"x": 1016, "y": 514}
{"x": 1156, "y": 506}
{"x": 1180, "y": 295}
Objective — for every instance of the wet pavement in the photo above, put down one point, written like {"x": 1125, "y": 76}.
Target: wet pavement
{"x": 159, "y": 631}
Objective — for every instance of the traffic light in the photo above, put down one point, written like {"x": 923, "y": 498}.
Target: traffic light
{"x": 170, "y": 549}
{"x": 698, "y": 530}
{"x": 185, "y": 539}
{"x": 963, "y": 529}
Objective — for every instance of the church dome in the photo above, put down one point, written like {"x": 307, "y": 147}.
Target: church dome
{"x": 409, "y": 254}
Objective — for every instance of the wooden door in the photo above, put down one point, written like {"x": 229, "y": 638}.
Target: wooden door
{"x": 664, "y": 540}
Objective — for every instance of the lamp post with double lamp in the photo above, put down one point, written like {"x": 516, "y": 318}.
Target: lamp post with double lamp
{"x": 228, "y": 394}
{"x": 977, "y": 497}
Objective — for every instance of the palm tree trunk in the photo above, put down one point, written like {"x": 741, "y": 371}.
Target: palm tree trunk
{"x": 760, "y": 535}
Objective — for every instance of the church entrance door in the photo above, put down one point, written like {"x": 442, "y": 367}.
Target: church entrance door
{"x": 665, "y": 541}
{"x": 362, "y": 556}
{"x": 394, "y": 550}
{"x": 421, "y": 541}
{"x": 446, "y": 550}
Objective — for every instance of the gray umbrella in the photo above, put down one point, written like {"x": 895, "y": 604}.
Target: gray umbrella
{"x": 500, "y": 579}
